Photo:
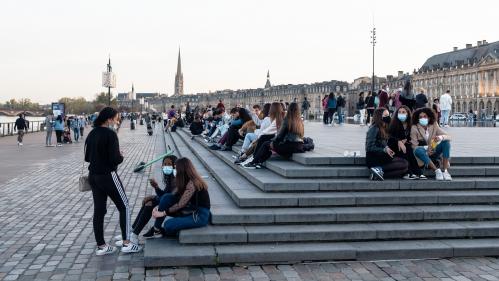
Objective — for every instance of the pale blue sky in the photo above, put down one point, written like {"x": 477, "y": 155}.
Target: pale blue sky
{"x": 55, "y": 48}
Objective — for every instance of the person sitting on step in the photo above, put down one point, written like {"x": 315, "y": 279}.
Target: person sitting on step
{"x": 430, "y": 143}
{"x": 188, "y": 206}
{"x": 400, "y": 141}
{"x": 380, "y": 158}
{"x": 196, "y": 127}
{"x": 151, "y": 201}
{"x": 267, "y": 131}
{"x": 288, "y": 140}
{"x": 250, "y": 137}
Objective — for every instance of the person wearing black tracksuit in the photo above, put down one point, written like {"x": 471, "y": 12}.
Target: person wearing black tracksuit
{"x": 102, "y": 150}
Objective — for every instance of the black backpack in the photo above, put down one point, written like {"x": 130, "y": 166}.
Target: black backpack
{"x": 308, "y": 144}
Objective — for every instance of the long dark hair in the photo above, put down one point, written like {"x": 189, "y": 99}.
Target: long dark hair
{"x": 378, "y": 122}
{"x": 331, "y": 95}
{"x": 295, "y": 124}
{"x": 396, "y": 125}
{"x": 105, "y": 114}
{"x": 244, "y": 115}
{"x": 187, "y": 173}
{"x": 276, "y": 113}
{"x": 266, "y": 110}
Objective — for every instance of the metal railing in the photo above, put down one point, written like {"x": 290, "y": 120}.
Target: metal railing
{"x": 7, "y": 128}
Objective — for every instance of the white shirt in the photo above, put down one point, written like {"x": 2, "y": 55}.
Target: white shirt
{"x": 271, "y": 129}
{"x": 445, "y": 102}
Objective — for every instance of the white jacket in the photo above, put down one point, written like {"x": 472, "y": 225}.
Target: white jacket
{"x": 267, "y": 128}
{"x": 445, "y": 102}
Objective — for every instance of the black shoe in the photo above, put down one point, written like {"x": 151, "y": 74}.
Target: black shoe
{"x": 152, "y": 233}
{"x": 226, "y": 148}
{"x": 215, "y": 147}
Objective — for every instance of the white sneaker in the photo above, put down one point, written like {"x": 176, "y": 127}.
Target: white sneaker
{"x": 106, "y": 250}
{"x": 447, "y": 176}
{"x": 439, "y": 176}
{"x": 131, "y": 248}
{"x": 21, "y": 144}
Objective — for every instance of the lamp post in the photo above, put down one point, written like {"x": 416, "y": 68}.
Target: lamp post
{"x": 373, "y": 42}
{"x": 141, "y": 104}
{"x": 132, "y": 121}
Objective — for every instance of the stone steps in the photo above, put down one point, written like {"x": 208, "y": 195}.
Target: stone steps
{"x": 266, "y": 217}
{"x": 291, "y": 169}
{"x": 224, "y": 215}
{"x": 338, "y": 232}
{"x": 169, "y": 252}
{"x": 245, "y": 194}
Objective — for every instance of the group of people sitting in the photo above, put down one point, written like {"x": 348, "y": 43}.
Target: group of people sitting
{"x": 263, "y": 132}
{"x": 407, "y": 143}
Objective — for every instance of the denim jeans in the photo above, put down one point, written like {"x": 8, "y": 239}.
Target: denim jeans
{"x": 444, "y": 119}
{"x": 340, "y": 114}
{"x": 172, "y": 225}
{"x": 442, "y": 149}
{"x": 76, "y": 132}
{"x": 248, "y": 139}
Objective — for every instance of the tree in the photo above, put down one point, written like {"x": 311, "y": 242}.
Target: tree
{"x": 101, "y": 101}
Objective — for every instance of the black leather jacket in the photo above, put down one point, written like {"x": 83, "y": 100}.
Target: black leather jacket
{"x": 374, "y": 142}
{"x": 283, "y": 135}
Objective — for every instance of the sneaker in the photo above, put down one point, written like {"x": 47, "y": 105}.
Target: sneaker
{"x": 152, "y": 233}
{"x": 106, "y": 250}
{"x": 439, "y": 176}
{"x": 410, "y": 177}
{"x": 226, "y": 148}
{"x": 215, "y": 147}
{"x": 249, "y": 165}
{"x": 131, "y": 248}
{"x": 239, "y": 161}
{"x": 447, "y": 176}
{"x": 422, "y": 177}
{"x": 377, "y": 173}
{"x": 133, "y": 238}
{"x": 248, "y": 160}
{"x": 258, "y": 166}
{"x": 21, "y": 144}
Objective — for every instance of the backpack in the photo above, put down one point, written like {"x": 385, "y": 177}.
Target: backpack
{"x": 308, "y": 144}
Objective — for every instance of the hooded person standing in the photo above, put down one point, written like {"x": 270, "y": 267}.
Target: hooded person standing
{"x": 407, "y": 96}
{"x": 421, "y": 99}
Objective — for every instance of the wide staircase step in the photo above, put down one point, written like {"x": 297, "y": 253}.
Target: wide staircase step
{"x": 338, "y": 232}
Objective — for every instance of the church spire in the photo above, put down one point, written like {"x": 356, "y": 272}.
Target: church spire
{"x": 179, "y": 78}
{"x": 268, "y": 85}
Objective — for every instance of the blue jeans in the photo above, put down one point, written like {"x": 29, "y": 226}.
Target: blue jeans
{"x": 442, "y": 149}
{"x": 248, "y": 139}
{"x": 444, "y": 119}
{"x": 76, "y": 132}
{"x": 340, "y": 114}
{"x": 172, "y": 225}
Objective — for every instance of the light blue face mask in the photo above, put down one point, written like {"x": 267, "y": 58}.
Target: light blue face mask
{"x": 168, "y": 170}
{"x": 402, "y": 117}
{"x": 423, "y": 121}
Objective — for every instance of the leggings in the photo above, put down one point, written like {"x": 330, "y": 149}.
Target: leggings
{"x": 103, "y": 186}
{"x": 394, "y": 167}
{"x": 325, "y": 117}
{"x": 331, "y": 112}
{"x": 144, "y": 215}
{"x": 370, "y": 112}
{"x": 284, "y": 149}
{"x": 58, "y": 135}
{"x": 48, "y": 138}
{"x": 232, "y": 136}
{"x": 261, "y": 140}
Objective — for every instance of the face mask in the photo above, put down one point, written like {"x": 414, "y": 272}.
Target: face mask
{"x": 423, "y": 121}
{"x": 387, "y": 119}
{"x": 168, "y": 170}
{"x": 402, "y": 117}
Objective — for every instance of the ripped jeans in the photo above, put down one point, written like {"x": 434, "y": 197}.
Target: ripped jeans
{"x": 172, "y": 225}
{"x": 442, "y": 149}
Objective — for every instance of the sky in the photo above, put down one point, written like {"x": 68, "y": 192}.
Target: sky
{"x": 59, "y": 48}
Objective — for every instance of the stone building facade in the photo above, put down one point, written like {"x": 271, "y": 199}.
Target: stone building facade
{"x": 471, "y": 74}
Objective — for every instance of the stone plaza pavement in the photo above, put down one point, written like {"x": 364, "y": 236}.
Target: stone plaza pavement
{"x": 46, "y": 223}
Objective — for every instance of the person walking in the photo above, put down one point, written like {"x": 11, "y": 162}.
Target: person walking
{"x": 383, "y": 97}
{"x": 406, "y": 97}
{"x": 421, "y": 100}
{"x": 83, "y": 124}
{"x": 325, "y": 117}
{"x": 59, "y": 129}
{"x": 340, "y": 106}
{"x": 21, "y": 126}
{"x": 49, "y": 128}
{"x": 331, "y": 108}
{"x": 361, "y": 107}
{"x": 370, "y": 106}
{"x": 102, "y": 151}
{"x": 75, "y": 126}
{"x": 445, "y": 108}
{"x": 305, "y": 106}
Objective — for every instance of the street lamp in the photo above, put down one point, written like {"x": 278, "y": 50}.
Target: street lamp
{"x": 373, "y": 42}
{"x": 109, "y": 81}
{"x": 141, "y": 101}
{"x": 132, "y": 97}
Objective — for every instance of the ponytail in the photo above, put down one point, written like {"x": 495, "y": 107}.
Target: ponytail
{"x": 105, "y": 114}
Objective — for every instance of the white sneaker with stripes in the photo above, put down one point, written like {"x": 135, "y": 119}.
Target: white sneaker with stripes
{"x": 131, "y": 248}
{"x": 106, "y": 250}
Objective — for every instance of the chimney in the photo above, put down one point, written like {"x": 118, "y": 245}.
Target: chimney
{"x": 455, "y": 49}
{"x": 400, "y": 74}
{"x": 479, "y": 43}
{"x": 468, "y": 46}
{"x": 484, "y": 42}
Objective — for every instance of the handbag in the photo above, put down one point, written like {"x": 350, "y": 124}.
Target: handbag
{"x": 83, "y": 182}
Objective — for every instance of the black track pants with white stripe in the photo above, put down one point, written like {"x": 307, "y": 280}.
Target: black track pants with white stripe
{"x": 104, "y": 186}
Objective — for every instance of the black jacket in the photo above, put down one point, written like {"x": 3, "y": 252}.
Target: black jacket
{"x": 102, "y": 150}
{"x": 421, "y": 100}
{"x": 196, "y": 128}
{"x": 374, "y": 142}
{"x": 21, "y": 124}
{"x": 283, "y": 135}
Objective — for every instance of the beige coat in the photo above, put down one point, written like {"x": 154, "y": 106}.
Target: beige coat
{"x": 418, "y": 134}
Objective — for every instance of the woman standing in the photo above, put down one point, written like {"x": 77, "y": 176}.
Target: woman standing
{"x": 380, "y": 158}
{"x": 102, "y": 150}
{"x": 331, "y": 108}
{"x": 370, "y": 106}
{"x": 325, "y": 117}
{"x": 59, "y": 129}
